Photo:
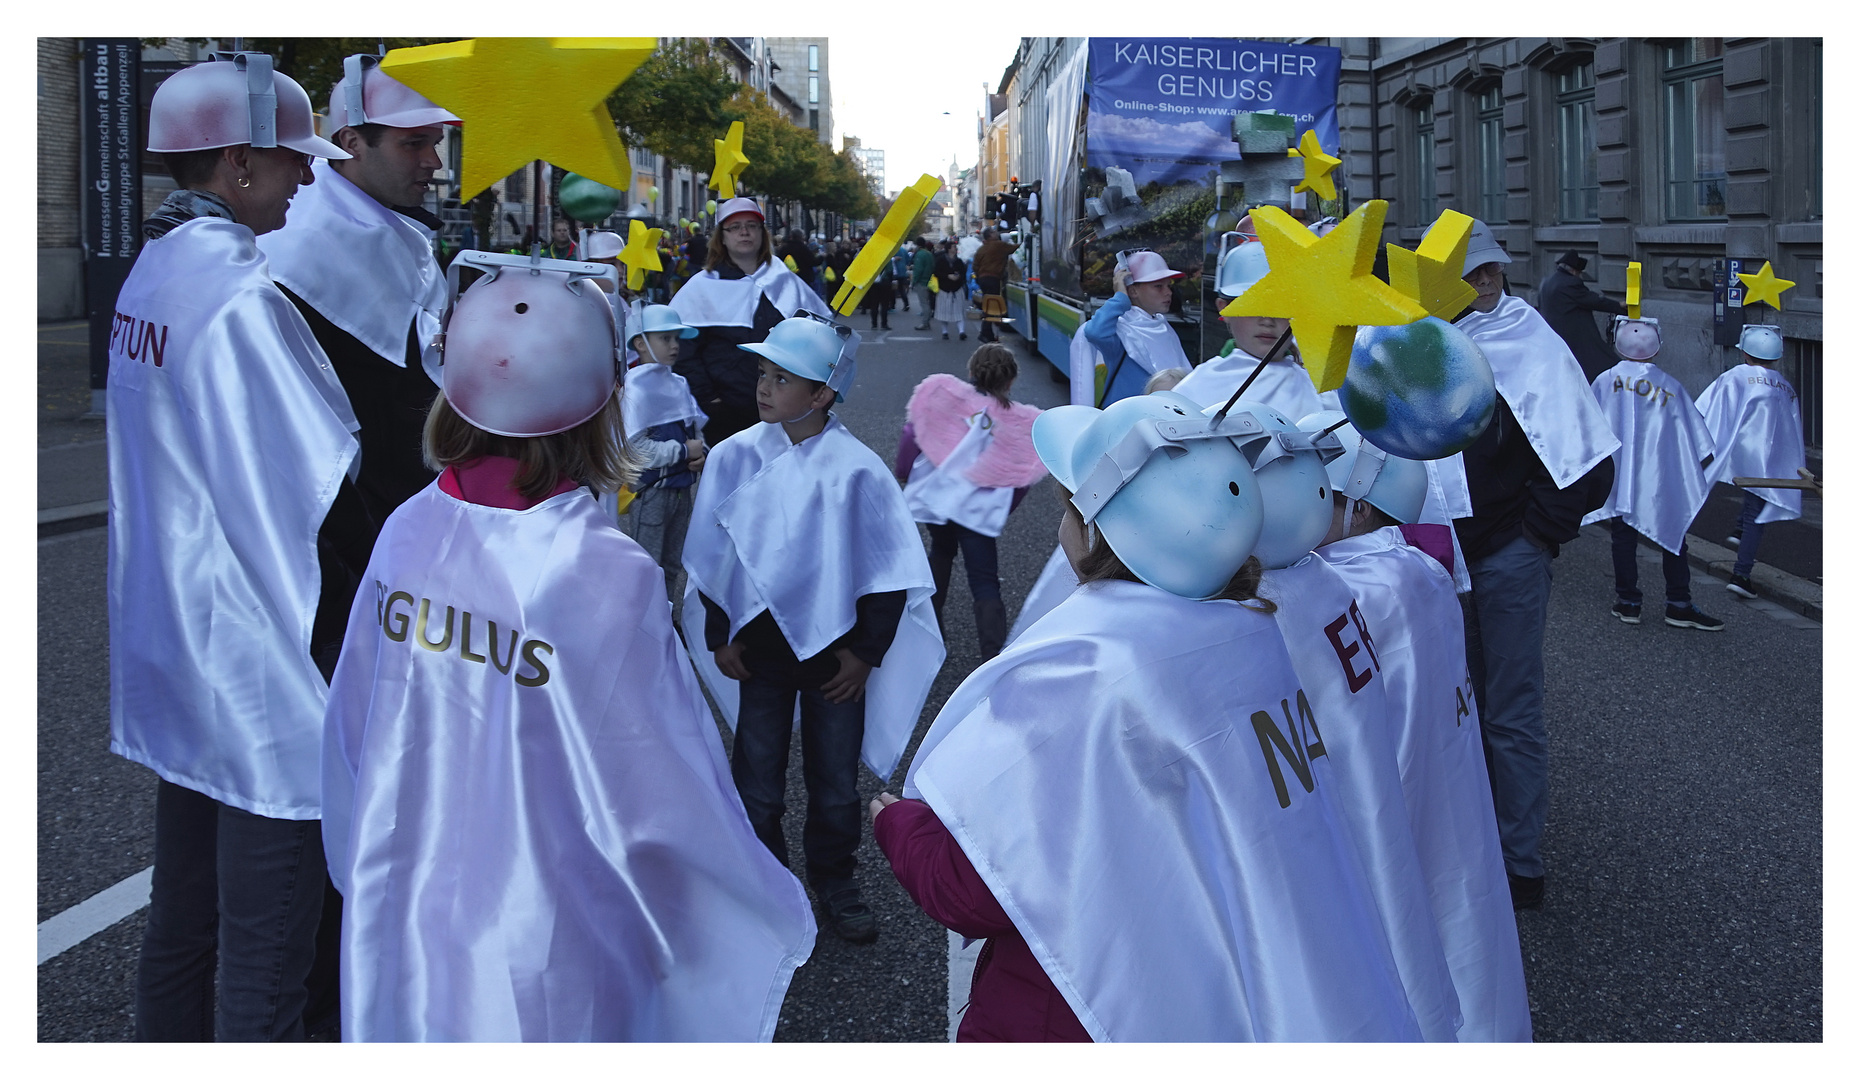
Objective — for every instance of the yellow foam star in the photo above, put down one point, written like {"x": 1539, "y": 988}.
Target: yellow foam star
{"x": 1430, "y": 275}
{"x": 730, "y": 162}
{"x": 1318, "y": 165}
{"x": 1633, "y": 290}
{"x": 1764, "y": 287}
{"x": 641, "y": 253}
{"x": 877, "y": 251}
{"x": 527, "y": 98}
{"x": 1324, "y": 286}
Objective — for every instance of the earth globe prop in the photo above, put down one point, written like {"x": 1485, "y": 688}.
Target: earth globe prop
{"x": 1421, "y": 390}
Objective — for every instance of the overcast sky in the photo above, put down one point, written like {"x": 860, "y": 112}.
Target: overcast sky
{"x": 892, "y": 94}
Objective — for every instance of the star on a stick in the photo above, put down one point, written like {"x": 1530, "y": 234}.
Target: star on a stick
{"x": 528, "y": 98}
{"x": 1764, "y": 287}
{"x": 1430, "y": 275}
{"x": 641, "y": 253}
{"x": 1323, "y": 285}
{"x": 1318, "y": 165}
{"x": 730, "y": 162}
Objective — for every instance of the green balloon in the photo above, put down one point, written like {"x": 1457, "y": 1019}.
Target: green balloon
{"x": 588, "y": 200}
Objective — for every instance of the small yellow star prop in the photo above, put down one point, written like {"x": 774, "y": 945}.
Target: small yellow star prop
{"x": 730, "y": 162}
{"x": 1324, "y": 286}
{"x": 1633, "y": 290}
{"x": 1764, "y": 287}
{"x": 527, "y": 98}
{"x": 885, "y": 239}
{"x": 1430, "y": 275}
{"x": 641, "y": 253}
{"x": 1318, "y": 165}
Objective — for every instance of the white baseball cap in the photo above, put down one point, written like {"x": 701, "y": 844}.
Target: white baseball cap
{"x": 729, "y": 208}
{"x": 368, "y": 95}
{"x": 233, "y": 100}
{"x": 1149, "y": 266}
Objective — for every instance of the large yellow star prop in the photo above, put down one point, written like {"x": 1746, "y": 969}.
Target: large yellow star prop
{"x": 641, "y": 253}
{"x": 527, "y": 98}
{"x": 1324, "y": 286}
{"x": 885, "y": 239}
{"x": 1764, "y": 287}
{"x": 730, "y": 162}
{"x": 1430, "y": 275}
{"x": 1633, "y": 290}
{"x": 1318, "y": 165}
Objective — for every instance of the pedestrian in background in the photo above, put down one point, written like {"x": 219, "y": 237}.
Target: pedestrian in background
{"x": 952, "y": 297}
{"x": 923, "y": 268}
{"x": 1569, "y": 307}
{"x": 990, "y": 266}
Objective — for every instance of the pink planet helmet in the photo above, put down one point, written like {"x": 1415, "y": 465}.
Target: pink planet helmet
{"x": 1636, "y": 339}
{"x": 232, "y": 100}
{"x": 530, "y": 347}
{"x": 368, "y": 95}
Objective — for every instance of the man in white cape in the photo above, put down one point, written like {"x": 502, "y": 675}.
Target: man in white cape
{"x": 1756, "y": 425}
{"x": 356, "y": 257}
{"x": 1411, "y": 619}
{"x": 802, "y": 561}
{"x": 1544, "y": 461}
{"x": 1660, "y": 481}
{"x": 230, "y": 449}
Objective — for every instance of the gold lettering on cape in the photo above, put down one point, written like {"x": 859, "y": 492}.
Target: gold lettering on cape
{"x": 397, "y": 624}
{"x": 396, "y": 632}
{"x": 419, "y": 628}
{"x": 465, "y": 640}
{"x": 529, "y": 655}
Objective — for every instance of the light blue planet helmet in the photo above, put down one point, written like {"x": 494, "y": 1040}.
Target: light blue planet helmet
{"x": 1397, "y": 486}
{"x": 1289, "y": 467}
{"x": 813, "y": 348}
{"x": 1240, "y": 269}
{"x": 663, "y": 318}
{"x": 1762, "y": 341}
{"x": 1171, "y": 492}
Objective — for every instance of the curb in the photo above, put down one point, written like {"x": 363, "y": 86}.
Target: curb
{"x": 1779, "y": 587}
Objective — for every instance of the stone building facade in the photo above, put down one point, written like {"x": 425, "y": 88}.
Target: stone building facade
{"x": 61, "y": 251}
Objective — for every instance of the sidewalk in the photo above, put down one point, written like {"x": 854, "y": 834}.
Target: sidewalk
{"x": 74, "y": 485}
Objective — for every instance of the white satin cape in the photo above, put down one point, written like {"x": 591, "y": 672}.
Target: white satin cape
{"x": 802, "y": 531}
{"x": 708, "y": 300}
{"x": 229, "y": 437}
{"x": 564, "y": 859}
{"x": 1448, "y": 497}
{"x": 362, "y": 266}
{"x": 1108, "y": 777}
{"x": 1407, "y": 602}
{"x": 1285, "y": 385}
{"x": 937, "y": 494}
{"x": 654, "y": 394}
{"x": 1147, "y": 339}
{"x": 1339, "y": 667}
{"x": 1542, "y": 382}
{"x": 1659, "y": 472}
{"x": 1756, "y": 425}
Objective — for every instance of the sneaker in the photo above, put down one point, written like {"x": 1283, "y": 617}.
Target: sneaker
{"x": 1691, "y": 617}
{"x": 964, "y": 336}
{"x": 946, "y": 335}
{"x": 1627, "y": 613}
{"x": 850, "y": 917}
{"x": 1740, "y": 585}
{"x": 1526, "y": 892}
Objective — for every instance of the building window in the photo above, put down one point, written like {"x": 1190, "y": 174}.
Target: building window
{"x": 813, "y": 89}
{"x": 813, "y": 121}
{"x": 1692, "y": 76}
{"x": 813, "y": 58}
{"x": 1424, "y": 162}
{"x": 1492, "y": 155}
{"x": 1803, "y": 369}
{"x": 1578, "y": 189}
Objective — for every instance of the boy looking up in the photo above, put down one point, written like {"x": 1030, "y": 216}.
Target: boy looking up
{"x": 810, "y": 582}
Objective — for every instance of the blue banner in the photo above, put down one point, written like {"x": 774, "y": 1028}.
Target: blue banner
{"x": 1162, "y": 108}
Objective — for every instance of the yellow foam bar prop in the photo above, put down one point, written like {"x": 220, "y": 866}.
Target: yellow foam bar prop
{"x": 885, "y": 240}
{"x": 1633, "y": 290}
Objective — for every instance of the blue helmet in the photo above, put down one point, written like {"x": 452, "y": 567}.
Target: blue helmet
{"x": 1397, "y": 486}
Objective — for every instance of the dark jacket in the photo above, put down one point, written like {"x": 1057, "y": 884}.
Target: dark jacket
{"x": 803, "y": 257}
{"x": 1569, "y": 306}
{"x": 991, "y": 258}
{"x": 767, "y": 654}
{"x": 951, "y": 274}
{"x": 719, "y": 372}
{"x": 1011, "y": 998}
{"x": 923, "y": 264}
{"x": 1513, "y": 494}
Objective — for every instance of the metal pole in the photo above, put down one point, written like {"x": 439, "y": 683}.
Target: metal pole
{"x": 536, "y": 201}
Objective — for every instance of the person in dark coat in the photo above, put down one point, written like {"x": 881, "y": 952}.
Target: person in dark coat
{"x": 1567, "y": 305}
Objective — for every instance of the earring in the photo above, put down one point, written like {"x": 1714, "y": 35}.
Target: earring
{"x": 243, "y": 182}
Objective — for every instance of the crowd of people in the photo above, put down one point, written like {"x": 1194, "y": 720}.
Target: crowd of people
{"x": 417, "y": 587}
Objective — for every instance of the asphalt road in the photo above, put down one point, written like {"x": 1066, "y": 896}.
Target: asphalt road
{"x": 1683, "y": 848}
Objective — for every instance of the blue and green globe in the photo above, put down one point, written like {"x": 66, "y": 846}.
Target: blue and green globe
{"x": 1420, "y": 391}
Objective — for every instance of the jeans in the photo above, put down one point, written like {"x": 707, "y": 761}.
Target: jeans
{"x": 1750, "y": 534}
{"x": 1627, "y": 567}
{"x": 978, "y": 560}
{"x": 925, "y": 303}
{"x": 236, "y": 895}
{"x": 1505, "y": 656}
{"x": 830, "y": 739}
{"x": 658, "y": 519}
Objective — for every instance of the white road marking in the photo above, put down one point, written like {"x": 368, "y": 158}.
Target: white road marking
{"x": 909, "y": 339}
{"x": 78, "y": 923}
{"x": 961, "y": 970}
{"x": 76, "y": 510}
